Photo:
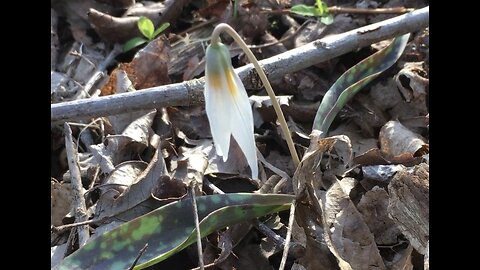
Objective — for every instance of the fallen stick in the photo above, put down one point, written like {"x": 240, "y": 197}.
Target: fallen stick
{"x": 191, "y": 92}
{"x": 79, "y": 206}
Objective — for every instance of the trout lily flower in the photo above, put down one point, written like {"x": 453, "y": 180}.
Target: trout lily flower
{"x": 227, "y": 106}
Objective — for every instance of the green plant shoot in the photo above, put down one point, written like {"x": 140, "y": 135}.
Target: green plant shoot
{"x": 145, "y": 25}
{"x": 320, "y": 9}
{"x": 355, "y": 79}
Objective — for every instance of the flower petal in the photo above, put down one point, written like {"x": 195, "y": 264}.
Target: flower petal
{"x": 242, "y": 125}
{"x": 227, "y": 106}
{"x": 217, "y": 102}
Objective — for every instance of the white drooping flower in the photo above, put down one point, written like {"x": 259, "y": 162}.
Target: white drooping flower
{"x": 227, "y": 106}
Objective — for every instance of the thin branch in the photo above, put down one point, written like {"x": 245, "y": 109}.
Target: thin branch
{"x": 77, "y": 188}
{"x": 197, "y": 226}
{"x": 348, "y": 10}
{"x": 190, "y": 93}
{"x": 140, "y": 253}
{"x": 288, "y": 237}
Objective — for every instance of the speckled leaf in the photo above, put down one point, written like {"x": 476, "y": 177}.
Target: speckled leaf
{"x": 355, "y": 79}
{"x": 169, "y": 229}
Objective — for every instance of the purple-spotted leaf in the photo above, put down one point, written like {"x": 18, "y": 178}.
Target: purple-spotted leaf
{"x": 171, "y": 228}
{"x": 355, "y": 79}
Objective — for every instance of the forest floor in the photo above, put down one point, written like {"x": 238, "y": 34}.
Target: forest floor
{"x": 362, "y": 196}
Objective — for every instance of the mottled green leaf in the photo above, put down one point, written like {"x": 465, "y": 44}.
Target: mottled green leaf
{"x": 355, "y": 79}
{"x": 132, "y": 43}
{"x": 171, "y": 228}
{"x": 161, "y": 29}
{"x": 145, "y": 25}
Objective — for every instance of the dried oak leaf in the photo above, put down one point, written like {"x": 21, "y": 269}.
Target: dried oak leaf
{"x": 148, "y": 68}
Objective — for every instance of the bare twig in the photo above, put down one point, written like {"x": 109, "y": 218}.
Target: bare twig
{"x": 340, "y": 10}
{"x": 197, "y": 226}
{"x": 77, "y": 188}
{"x": 191, "y": 92}
{"x": 288, "y": 237}
{"x": 140, "y": 253}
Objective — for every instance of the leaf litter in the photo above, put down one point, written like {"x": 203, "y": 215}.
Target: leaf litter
{"x": 355, "y": 184}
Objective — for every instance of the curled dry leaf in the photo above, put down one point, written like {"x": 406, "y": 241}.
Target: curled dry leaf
{"x": 413, "y": 84}
{"x": 113, "y": 29}
{"x": 117, "y": 148}
{"x": 396, "y": 139}
{"x": 346, "y": 233}
{"x": 129, "y": 201}
{"x": 377, "y": 157}
{"x": 123, "y": 176}
{"x": 408, "y": 205}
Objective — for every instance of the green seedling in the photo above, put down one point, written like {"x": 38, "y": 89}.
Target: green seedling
{"x": 320, "y": 9}
{"x": 145, "y": 25}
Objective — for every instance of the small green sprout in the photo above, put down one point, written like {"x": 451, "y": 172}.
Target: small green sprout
{"x": 145, "y": 25}
{"x": 319, "y": 10}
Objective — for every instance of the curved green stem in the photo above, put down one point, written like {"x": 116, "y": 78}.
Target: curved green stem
{"x": 251, "y": 57}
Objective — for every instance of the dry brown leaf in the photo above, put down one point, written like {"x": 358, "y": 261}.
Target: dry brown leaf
{"x": 376, "y": 157}
{"x": 395, "y": 139}
{"x": 373, "y": 207}
{"x": 347, "y": 235}
{"x": 360, "y": 143}
{"x": 385, "y": 95}
{"x": 148, "y": 68}
{"x": 137, "y": 193}
{"x": 61, "y": 197}
{"x": 416, "y": 89}
{"x": 409, "y": 205}
{"x": 190, "y": 167}
{"x": 124, "y": 175}
{"x": 169, "y": 189}
{"x": 214, "y": 8}
{"x": 309, "y": 233}
{"x": 117, "y": 148}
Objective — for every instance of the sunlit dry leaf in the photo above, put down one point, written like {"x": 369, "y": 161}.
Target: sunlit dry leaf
{"x": 136, "y": 193}
{"x": 60, "y": 199}
{"x": 396, "y": 139}
{"x": 377, "y": 157}
{"x": 347, "y": 235}
{"x": 416, "y": 89}
{"x": 124, "y": 175}
{"x": 409, "y": 205}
